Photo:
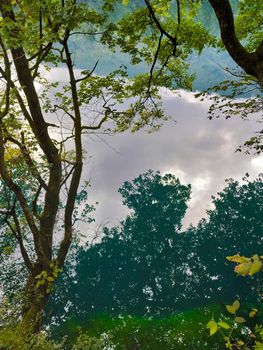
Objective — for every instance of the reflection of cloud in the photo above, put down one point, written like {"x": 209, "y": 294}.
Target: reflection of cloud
{"x": 198, "y": 151}
{"x": 257, "y": 164}
{"x": 200, "y": 187}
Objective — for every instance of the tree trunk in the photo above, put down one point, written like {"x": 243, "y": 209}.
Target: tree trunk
{"x": 35, "y": 300}
{"x": 250, "y": 62}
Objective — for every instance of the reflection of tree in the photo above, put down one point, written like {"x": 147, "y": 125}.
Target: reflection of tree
{"x": 235, "y": 225}
{"x": 146, "y": 265}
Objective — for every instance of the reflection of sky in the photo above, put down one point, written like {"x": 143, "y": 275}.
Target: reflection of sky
{"x": 199, "y": 151}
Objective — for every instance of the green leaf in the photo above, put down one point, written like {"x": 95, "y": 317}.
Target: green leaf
{"x": 259, "y": 346}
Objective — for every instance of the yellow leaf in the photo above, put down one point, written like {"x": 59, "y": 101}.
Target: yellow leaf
{"x": 213, "y": 329}
{"x": 240, "y": 342}
{"x": 252, "y": 313}
{"x": 255, "y": 257}
{"x": 236, "y": 305}
{"x": 12, "y": 154}
{"x": 212, "y": 325}
{"x": 240, "y": 319}
{"x": 243, "y": 269}
{"x": 230, "y": 309}
{"x": 40, "y": 283}
{"x": 237, "y": 258}
{"x": 255, "y": 267}
{"x": 223, "y": 325}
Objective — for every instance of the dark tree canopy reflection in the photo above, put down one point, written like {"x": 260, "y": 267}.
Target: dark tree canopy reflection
{"x": 148, "y": 266}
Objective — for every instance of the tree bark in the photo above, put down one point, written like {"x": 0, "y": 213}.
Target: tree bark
{"x": 35, "y": 300}
{"x": 250, "y": 62}
{"x": 42, "y": 230}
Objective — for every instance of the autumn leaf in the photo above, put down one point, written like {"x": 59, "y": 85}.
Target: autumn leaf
{"x": 237, "y": 259}
{"x": 255, "y": 268}
{"x": 239, "y": 319}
